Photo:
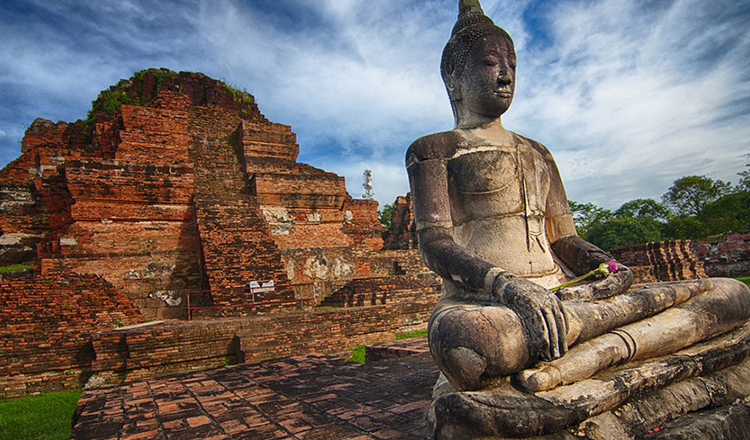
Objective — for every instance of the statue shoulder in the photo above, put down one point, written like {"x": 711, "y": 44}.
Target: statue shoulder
{"x": 541, "y": 149}
{"x": 434, "y": 146}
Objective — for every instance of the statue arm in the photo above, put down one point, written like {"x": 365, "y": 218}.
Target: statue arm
{"x": 576, "y": 253}
{"x": 429, "y": 189}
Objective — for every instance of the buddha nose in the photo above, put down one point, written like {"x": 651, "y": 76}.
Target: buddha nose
{"x": 504, "y": 77}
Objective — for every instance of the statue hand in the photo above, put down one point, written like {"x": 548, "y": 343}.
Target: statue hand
{"x": 612, "y": 285}
{"x": 541, "y": 314}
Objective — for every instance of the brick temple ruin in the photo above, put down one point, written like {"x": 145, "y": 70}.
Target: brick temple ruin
{"x": 177, "y": 199}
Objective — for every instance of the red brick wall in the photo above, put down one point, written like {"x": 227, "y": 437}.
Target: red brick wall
{"x": 725, "y": 256}
{"x": 43, "y": 323}
{"x": 660, "y": 261}
{"x": 67, "y": 352}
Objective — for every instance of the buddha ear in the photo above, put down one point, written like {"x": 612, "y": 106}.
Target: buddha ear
{"x": 454, "y": 91}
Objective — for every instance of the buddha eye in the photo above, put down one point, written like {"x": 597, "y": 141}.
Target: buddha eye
{"x": 490, "y": 61}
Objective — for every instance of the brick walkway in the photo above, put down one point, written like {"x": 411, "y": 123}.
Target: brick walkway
{"x": 312, "y": 397}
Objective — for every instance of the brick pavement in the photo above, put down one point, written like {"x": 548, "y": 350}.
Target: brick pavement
{"x": 313, "y": 397}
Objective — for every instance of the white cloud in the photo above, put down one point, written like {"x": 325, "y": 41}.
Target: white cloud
{"x": 620, "y": 95}
{"x": 628, "y": 94}
{"x": 627, "y": 101}
{"x": 3, "y": 133}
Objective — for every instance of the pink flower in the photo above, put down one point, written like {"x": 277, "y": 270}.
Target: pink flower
{"x": 613, "y": 266}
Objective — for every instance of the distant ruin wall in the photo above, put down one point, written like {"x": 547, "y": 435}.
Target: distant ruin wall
{"x": 403, "y": 231}
{"x": 725, "y": 256}
{"x": 660, "y": 261}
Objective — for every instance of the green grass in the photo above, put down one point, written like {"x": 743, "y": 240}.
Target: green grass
{"x": 745, "y": 280}
{"x": 41, "y": 417}
{"x": 16, "y": 268}
{"x": 358, "y": 354}
{"x": 414, "y": 334}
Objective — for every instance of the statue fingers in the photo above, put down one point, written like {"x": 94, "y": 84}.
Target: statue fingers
{"x": 562, "y": 328}
{"x": 552, "y": 332}
{"x": 542, "y": 337}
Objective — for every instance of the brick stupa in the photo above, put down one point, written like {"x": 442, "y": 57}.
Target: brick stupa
{"x": 177, "y": 186}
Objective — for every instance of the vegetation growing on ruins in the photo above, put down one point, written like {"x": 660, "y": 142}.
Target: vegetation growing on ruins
{"x": 242, "y": 98}
{"x": 414, "y": 334}
{"x": 15, "y": 268}
{"x": 693, "y": 207}
{"x": 130, "y": 91}
{"x": 40, "y": 417}
{"x": 358, "y": 353}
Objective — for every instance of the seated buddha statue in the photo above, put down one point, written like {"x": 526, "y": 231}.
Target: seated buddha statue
{"x": 494, "y": 222}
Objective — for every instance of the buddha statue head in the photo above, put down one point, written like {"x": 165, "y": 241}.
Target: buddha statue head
{"x": 478, "y": 67}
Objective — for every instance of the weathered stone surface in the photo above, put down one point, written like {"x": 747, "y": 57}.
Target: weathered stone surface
{"x": 592, "y": 408}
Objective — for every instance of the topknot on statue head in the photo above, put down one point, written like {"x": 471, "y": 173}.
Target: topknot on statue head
{"x": 471, "y": 26}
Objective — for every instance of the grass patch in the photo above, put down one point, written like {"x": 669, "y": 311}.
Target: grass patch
{"x": 358, "y": 354}
{"x": 745, "y": 280}
{"x": 414, "y": 334}
{"x": 42, "y": 417}
{"x": 16, "y": 268}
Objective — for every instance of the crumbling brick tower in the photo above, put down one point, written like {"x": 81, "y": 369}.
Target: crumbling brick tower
{"x": 177, "y": 188}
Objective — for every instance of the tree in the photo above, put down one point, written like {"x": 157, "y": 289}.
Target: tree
{"x": 621, "y": 231}
{"x": 685, "y": 226}
{"x": 385, "y": 215}
{"x": 646, "y": 208}
{"x": 744, "y": 183}
{"x": 690, "y": 195}
{"x": 730, "y": 213}
{"x": 585, "y": 215}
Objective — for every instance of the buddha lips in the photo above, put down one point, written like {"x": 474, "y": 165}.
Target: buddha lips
{"x": 604, "y": 270}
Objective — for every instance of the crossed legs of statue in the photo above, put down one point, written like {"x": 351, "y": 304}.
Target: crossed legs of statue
{"x": 475, "y": 345}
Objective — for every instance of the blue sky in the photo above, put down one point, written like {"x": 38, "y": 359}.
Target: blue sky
{"x": 629, "y": 95}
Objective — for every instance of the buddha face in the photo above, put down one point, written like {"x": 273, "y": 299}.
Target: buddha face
{"x": 488, "y": 79}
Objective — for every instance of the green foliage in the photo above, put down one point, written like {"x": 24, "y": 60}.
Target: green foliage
{"x": 41, "y": 417}
{"x": 241, "y": 97}
{"x": 385, "y": 215}
{"x": 160, "y": 74}
{"x": 744, "y": 183}
{"x": 109, "y": 102}
{"x": 414, "y": 334}
{"x": 16, "y": 267}
{"x": 621, "y": 231}
{"x": 690, "y": 195}
{"x": 586, "y": 215}
{"x": 685, "y": 227}
{"x": 745, "y": 280}
{"x": 645, "y": 208}
{"x": 730, "y": 213}
{"x": 358, "y": 354}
